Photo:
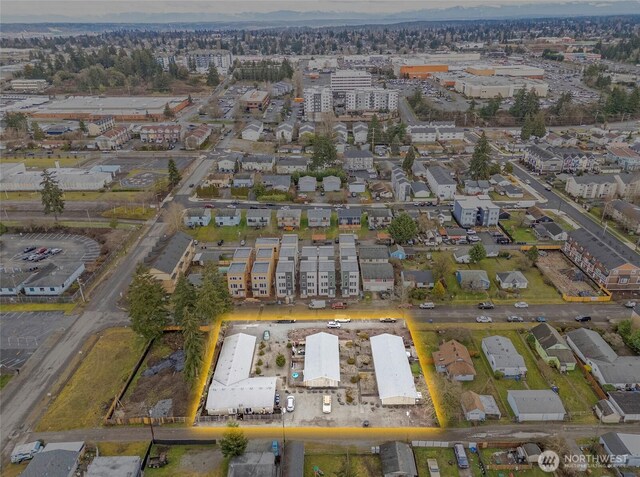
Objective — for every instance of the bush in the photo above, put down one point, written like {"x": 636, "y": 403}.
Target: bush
{"x": 262, "y": 345}
{"x": 355, "y": 379}
{"x": 351, "y": 361}
{"x": 289, "y": 345}
{"x": 259, "y": 363}
{"x": 261, "y": 353}
{"x": 418, "y": 293}
{"x": 258, "y": 371}
{"x": 280, "y": 361}
{"x": 208, "y": 192}
{"x": 498, "y": 375}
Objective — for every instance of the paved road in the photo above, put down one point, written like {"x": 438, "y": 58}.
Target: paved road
{"x": 613, "y": 243}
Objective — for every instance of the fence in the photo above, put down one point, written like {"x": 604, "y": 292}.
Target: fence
{"x": 592, "y": 381}
{"x": 245, "y": 417}
{"x": 132, "y": 421}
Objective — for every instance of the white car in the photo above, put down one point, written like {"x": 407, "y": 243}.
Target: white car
{"x": 473, "y": 238}
{"x": 231, "y": 206}
{"x": 291, "y": 403}
{"x": 326, "y": 404}
{"x": 528, "y": 181}
{"x": 342, "y": 320}
{"x": 521, "y": 304}
{"x": 483, "y": 319}
{"x": 427, "y": 306}
{"x": 333, "y": 324}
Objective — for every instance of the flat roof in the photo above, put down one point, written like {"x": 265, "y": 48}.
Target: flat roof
{"x": 115, "y": 105}
{"x": 393, "y": 373}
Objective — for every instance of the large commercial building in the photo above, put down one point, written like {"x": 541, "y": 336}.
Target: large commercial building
{"x": 371, "y": 99}
{"x": 19, "y": 179}
{"x": 517, "y": 71}
{"x": 29, "y": 85}
{"x": 122, "y": 108}
{"x": 255, "y": 100}
{"x": 346, "y": 80}
{"x": 393, "y": 373}
{"x": 422, "y": 71}
{"x": 492, "y": 87}
{"x": 317, "y": 100}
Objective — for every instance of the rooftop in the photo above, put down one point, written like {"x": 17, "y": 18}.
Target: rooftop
{"x": 540, "y": 401}
{"x": 393, "y": 373}
{"x": 322, "y": 357}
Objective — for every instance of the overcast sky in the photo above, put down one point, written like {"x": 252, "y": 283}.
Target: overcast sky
{"x": 84, "y": 8}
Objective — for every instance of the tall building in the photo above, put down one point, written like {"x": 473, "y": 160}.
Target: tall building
{"x": 371, "y": 99}
{"x": 317, "y": 100}
{"x": 221, "y": 59}
{"x": 346, "y": 80}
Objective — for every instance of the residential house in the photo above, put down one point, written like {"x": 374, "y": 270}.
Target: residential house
{"x": 549, "y": 231}
{"x": 536, "y": 405}
{"x": 257, "y": 163}
{"x": 197, "y": 217}
{"x": 357, "y": 186}
{"x": 441, "y": 183}
{"x": 306, "y": 129}
{"x": 626, "y": 214}
{"x": 590, "y": 186}
{"x": 100, "y": 126}
{"x": 397, "y": 460}
{"x": 112, "y": 139}
{"x": 171, "y": 258}
{"x": 331, "y": 184}
{"x": 401, "y": 185}
{"x": 542, "y": 160}
{"x": 473, "y": 279}
{"x": 195, "y": 138}
{"x": 358, "y": 160}
{"x": 510, "y": 191}
{"x": 349, "y": 276}
{"x": 476, "y": 210}
{"x": 513, "y": 280}
{"x": 284, "y": 132}
{"x": 575, "y": 160}
{"x": 621, "y": 450}
{"x": 454, "y": 360}
{"x": 450, "y": 134}
{"x": 628, "y": 186}
{"x": 340, "y": 131}
{"x": 286, "y": 276}
{"x": 159, "y": 133}
{"x": 606, "y": 365}
{"x": 349, "y": 219}
{"x": 609, "y": 268}
{"x": 398, "y": 252}
{"x": 417, "y": 278}
{"x": 228, "y": 163}
{"x": 289, "y": 165}
{"x": 317, "y": 272}
{"x": 252, "y": 131}
{"x": 420, "y": 190}
{"x": 262, "y": 272}
{"x": 280, "y": 183}
{"x": 258, "y": 218}
{"x": 379, "y": 218}
{"x": 552, "y": 348}
{"x": 499, "y": 180}
{"x": 535, "y": 215}
{"x": 55, "y": 460}
{"x": 319, "y": 217}
{"x": 377, "y": 277}
{"x": 360, "y": 132}
{"x": 288, "y": 219}
{"x": 626, "y": 405}
{"x": 418, "y": 170}
{"x": 423, "y": 134}
{"x": 243, "y": 179}
{"x": 479, "y": 407}
{"x": 238, "y": 273}
{"x": 373, "y": 254}
{"x": 307, "y": 184}
{"x": 472, "y": 187}
{"x": 228, "y": 217}
{"x": 503, "y": 357}
{"x": 628, "y": 159}
{"x": 219, "y": 179}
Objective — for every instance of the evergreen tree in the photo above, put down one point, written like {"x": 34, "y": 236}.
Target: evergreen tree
{"x": 51, "y": 194}
{"x": 403, "y": 228}
{"x": 324, "y": 152}
{"x": 439, "y": 290}
{"x": 409, "y": 159}
{"x": 533, "y": 254}
{"x": 538, "y": 128}
{"x": 38, "y": 133}
{"x": 168, "y": 112}
{"x": 213, "y": 78}
{"x": 233, "y": 442}
{"x": 374, "y": 136}
{"x": 194, "y": 346}
{"x": 213, "y": 296}
{"x": 183, "y": 298}
{"x": 479, "y": 165}
{"x": 174, "y": 174}
{"x": 147, "y": 309}
{"x": 477, "y": 253}
{"x": 508, "y": 168}
{"x": 395, "y": 146}
{"x": 83, "y": 126}
{"x": 525, "y": 132}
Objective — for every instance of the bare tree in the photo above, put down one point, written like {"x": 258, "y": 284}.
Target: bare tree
{"x": 174, "y": 215}
{"x": 298, "y": 83}
{"x": 213, "y": 108}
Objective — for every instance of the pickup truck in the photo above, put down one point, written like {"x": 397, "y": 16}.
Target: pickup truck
{"x": 317, "y": 304}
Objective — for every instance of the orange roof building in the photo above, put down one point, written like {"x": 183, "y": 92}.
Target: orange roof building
{"x": 422, "y": 71}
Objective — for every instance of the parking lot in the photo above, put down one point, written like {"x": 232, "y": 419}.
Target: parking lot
{"x": 74, "y": 248}
{"x": 21, "y": 333}
{"x": 356, "y": 399}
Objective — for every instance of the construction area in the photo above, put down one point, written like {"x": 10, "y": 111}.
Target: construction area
{"x": 314, "y": 374}
{"x": 566, "y": 276}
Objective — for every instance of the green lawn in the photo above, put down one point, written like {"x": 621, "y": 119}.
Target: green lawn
{"x": 186, "y": 461}
{"x": 133, "y": 213}
{"x": 364, "y": 464}
{"x": 109, "y": 196}
{"x": 45, "y": 162}
{"x": 138, "y": 448}
{"x": 84, "y": 400}
{"x": 518, "y": 230}
{"x": 443, "y": 456}
{"x": 4, "y": 380}
{"x": 29, "y": 307}
{"x": 564, "y": 225}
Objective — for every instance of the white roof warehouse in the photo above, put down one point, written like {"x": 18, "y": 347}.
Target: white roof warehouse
{"x": 393, "y": 373}
{"x": 322, "y": 361}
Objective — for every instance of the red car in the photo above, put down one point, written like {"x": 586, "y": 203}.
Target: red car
{"x": 338, "y": 305}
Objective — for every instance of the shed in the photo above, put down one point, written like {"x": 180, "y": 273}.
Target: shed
{"x": 536, "y": 405}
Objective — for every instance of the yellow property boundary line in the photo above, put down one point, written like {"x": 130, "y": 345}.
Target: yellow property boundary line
{"x": 310, "y": 432}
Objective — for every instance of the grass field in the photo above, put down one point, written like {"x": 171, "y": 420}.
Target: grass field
{"x": 79, "y": 196}
{"x": 577, "y": 396}
{"x": 330, "y": 464}
{"x": 442, "y": 456}
{"x": 191, "y": 461}
{"x": 16, "y": 307}
{"x": 138, "y": 448}
{"x": 102, "y": 373}
{"x": 4, "y": 380}
{"x": 537, "y": 291}
{"x": 45, "y": 162}
{"x": 13, "y": 470}
{"x": 133, "y": 213}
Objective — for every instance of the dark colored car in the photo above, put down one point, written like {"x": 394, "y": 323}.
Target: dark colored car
{"x": 583, "y": 318}
{"x": 286, "y": 321}
{"x": 30, "y": 248}
{"x": 541, "y": 319}
{"x": 220, "y": 242}
{"x": 486, "y": 305}
{"x": 388, "y": 320}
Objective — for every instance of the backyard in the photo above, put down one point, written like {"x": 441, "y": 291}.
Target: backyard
{"x": 190, "y": 461}
{"x": 105, "y": 367}
{"x": 517, "y": 228}
{"x": 365, "y": 465}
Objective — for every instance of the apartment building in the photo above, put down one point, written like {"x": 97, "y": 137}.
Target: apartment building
{"x": 220, "y": 59}
{"x": 319, "y": 217}
{"x": 258, "y": 163}
{"x": 591, "y": 186}
{"x": 607, "y": 268}
{"x": 542, "y": 160}
{"x": 113, "y": 139}
{"x": 401, "y": 185}
{"x": 476, "y": 210}
{"x": 357, "y": 160}
{"x": 170, "y": 258}
{"x": 371, "y": 99}
{"x": 100, "y": 126}
{"x": 288, "y": 219}
{"x": 349, "y": 268}
{"x": 347, "y": 80}
{"x": 317, "y": 272}
{"x": 317, "y": 100}
{"x": 285, "y": 276}
{"x": 238, "y": 274}
{"x": 29, "y": 85}
{"x": 159, "y": 133}
{"x": 262, "y": 272}
{"x": 197, "y": 137}
{"x": 360, "y": 132}
{"x": 441, "y": 183}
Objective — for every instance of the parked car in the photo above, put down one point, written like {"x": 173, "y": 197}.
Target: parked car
{"x": 541, "y": 319}
{"x": 483, "y": 319}
{"x": 333, "y": 324}
{"x": 317, "y": 305}
{"x": 220, "y": 242}
{"x": 521, "y": 304}
{"x": 515, "y": 319}
{"x": 338, "y": 305}
{"x": 243, "y": 242}
{"x": 405, "y": 305}
{"x": 583, "y": 318}
{"x": 277, "y": 399}
{"x": 28, "y": 249}
{"x": 291, "y": 403}
{"x": 343, "y": 320}
{"x": 486, "y": 305}
{"x": 427, "y": 306}
{"x": 55, "y": 251}
{"x": 326, "y": 403}
{"x": 388, "y": 320}
{"x": 630, "y": 304}
{"x": 285, "y": 321}
{"x": 266, "y": 335}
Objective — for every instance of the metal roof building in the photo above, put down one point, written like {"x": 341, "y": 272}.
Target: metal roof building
{"x": 120, "y": 466}
{"x": 322, "y": 361}
{"x": 536, "y": 405}
{"x": 393, "y": 373}
{"x": 232, "y": 390}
